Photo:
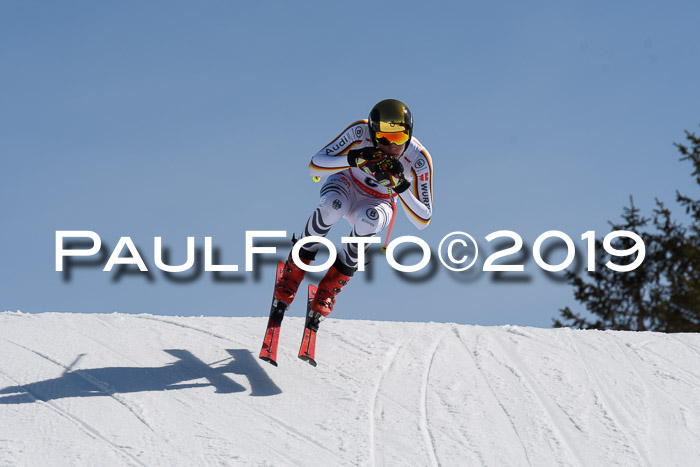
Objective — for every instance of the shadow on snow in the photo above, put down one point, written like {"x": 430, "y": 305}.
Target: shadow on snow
{"x": 177, "y": 375}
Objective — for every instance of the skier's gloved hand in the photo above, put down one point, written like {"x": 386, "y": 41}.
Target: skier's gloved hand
{"x": 392, "y": 166}
{"x": 395, "y": 170}
{"x": 402, "y": 185}
{"x": 367, "y": 159}
{"x": 390, "y": 175}
{"x": 398, "y": 183}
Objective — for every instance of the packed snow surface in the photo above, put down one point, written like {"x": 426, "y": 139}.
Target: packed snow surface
{"x": 152, "y": 390}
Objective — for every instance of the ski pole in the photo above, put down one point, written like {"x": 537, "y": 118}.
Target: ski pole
{"x": 391, "y": 222}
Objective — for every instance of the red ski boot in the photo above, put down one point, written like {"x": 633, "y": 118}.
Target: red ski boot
{"x": 329, "y": 287}
{"x": 286, "y": 287}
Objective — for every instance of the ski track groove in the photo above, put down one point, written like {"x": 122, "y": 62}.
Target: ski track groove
{"x": 495, "y": 396}
{"x": 185, "y": 326}
{"x": 458, "y": 437}
{"x": 218, "y": 336}
{"x": 345, "y": 340}
{"x": 133, "y": 362}
{"x": 521, "y": 373}
{"x": 690, "y": 346}
{"x": 685, "y": 344}
{"x": 615, "y": 417}
{"x": 304, "y": 437}
{"x": 649, "y": 363}
{"x": 209, "y": 333}
{"x": 389, "y": 363}
{"x": 101, "y": 386}
{"x": 296, "y": 433}
{"x": 282, "y": 456}
{"x": 186, "y": 368}
{"x": 119, "y": 354}
{"x": 184, "y": 403}
{"x": 88, "y": 429}
{"x": 424, "y": 422}
{"x": 294, "y": 350}
{"x": 646, "y": 362}
{"x": 656, "y": 387}
{"x": 167, "y": 393}
{"x": 99, "y": 343}
{"x": 647, "y": 389}
{"x": 92, "y": 339}
{"x": 669, "y": 362}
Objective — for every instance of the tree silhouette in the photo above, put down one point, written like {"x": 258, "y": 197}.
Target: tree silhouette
{"x": 663, "y": 293}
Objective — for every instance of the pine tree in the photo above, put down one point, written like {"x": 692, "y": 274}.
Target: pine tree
{"x": 682, "y": 310}
{"x": 663, "y": 293}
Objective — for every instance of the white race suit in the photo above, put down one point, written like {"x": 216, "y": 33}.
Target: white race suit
{"x": 356, "y": 196}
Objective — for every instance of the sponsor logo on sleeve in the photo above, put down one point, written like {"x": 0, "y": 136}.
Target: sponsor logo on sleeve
{"x": 424, "y": 193}
{"x": 338, "y": 145}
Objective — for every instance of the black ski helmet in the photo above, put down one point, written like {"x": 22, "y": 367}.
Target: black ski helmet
{"x": 392, "y": 116}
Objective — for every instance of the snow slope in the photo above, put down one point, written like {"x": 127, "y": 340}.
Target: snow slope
{"x": 151, "y": 390}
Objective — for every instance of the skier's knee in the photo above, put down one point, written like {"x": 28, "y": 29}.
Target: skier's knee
{"x": 369, "y": 222}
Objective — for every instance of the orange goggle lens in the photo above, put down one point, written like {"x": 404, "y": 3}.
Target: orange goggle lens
{"x": 398, "y": 138}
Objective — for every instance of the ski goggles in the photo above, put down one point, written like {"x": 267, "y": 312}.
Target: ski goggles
{"x": 397, "y": 138}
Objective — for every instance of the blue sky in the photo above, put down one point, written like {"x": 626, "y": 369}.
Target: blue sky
{"x": 171, "y": 119}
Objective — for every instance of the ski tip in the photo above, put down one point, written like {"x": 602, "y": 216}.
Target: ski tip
{"x": 268, "y": 360}
{"x": 308, "y": 359}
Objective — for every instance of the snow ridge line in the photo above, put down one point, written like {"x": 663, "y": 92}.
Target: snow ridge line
{"x": 124, "y": 357}
{"x": 92, "y": 339}
{"x": 608, "y": 407}
{"x": 685, "y": 344}
{"x": 342, "y": 338}
{"x": 690, "y": 346}
{"x": 424, "y": 425}
{"x": 193, "y": 328}
{"x": 289, "y": 428}
{"x": 495, "y": 396}
{"x": 389, "y": 362}
{"x": 88, "y": 429}
{"x": 647, "y": 389}
{"x": 294, "y": 432}
{"x": 304, "y": 437}
{"x": 102, "y": 386}
{"x": 185, "y": 326}
{"x": 209, "y": 333}
{"x": 651, "y": 385}
{"x": 520, "y": 371}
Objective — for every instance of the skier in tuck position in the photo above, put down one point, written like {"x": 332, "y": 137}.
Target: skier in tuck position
{"x": 369, "y": 165}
